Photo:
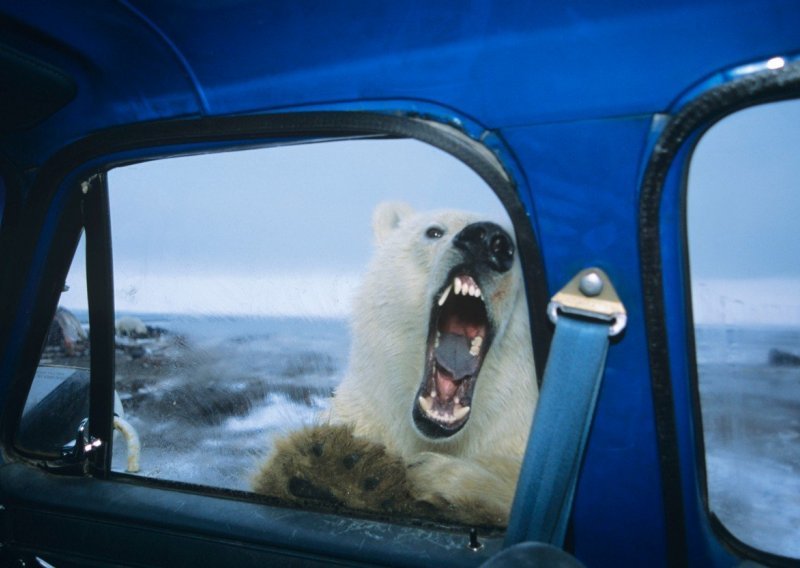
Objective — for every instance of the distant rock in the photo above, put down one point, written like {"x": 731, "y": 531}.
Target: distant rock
{"x": 779, "y": 358}
{"x": 66, "y": 335}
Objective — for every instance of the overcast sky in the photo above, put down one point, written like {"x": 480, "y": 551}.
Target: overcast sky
{"x": 743, "y": 207}
{"x": 282, "y": 231}
{"x": 286, "y": 231}
{"x": 285, "y": 209}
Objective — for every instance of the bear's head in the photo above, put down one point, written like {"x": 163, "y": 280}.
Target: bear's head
{"x": 440, "y": 329}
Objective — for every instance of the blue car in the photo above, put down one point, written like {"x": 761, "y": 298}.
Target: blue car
{"x": 399, "y": 284}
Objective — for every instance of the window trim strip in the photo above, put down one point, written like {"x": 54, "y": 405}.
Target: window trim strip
{"x": 100, "y": 291}
{"x": 685, "y": 127}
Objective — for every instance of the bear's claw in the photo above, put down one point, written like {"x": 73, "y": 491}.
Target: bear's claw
{"x": 302, "y": 489}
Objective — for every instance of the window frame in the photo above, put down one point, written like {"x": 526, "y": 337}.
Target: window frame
{"x": 71, "y": 194}
{"x": 663, "y": 234}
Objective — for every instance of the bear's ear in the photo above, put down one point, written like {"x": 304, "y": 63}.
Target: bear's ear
{"x": 387, "y": 217}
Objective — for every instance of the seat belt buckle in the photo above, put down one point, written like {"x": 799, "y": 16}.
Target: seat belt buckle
{"x": 590, "y": 294}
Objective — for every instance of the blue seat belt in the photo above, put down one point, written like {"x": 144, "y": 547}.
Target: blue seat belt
{"x": 587, "y": 312}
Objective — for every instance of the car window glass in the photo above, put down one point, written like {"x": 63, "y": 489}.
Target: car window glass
{"x": 237, "y": 278}
{"x": 59, "y": 397}
{"x": 743, "y": 201}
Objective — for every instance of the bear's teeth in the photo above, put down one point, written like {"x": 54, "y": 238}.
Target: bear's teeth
{"x": 427, "y": 405}
{"x": 460, "y": 413}
{"x": 444, "y": 295}
{"x": 475, "y": 346}
{"x": 466, "y": 287}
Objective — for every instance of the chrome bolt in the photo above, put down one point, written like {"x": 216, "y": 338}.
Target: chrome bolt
{"x": 591, "y": 284}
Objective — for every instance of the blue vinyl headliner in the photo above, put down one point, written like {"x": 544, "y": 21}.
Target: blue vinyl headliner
{"x": 502, "y": 64}
{"x": 570, "y": 91}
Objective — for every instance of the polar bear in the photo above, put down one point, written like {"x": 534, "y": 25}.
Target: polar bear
{"x": 130, "y": 326}
{"x": 433, "y": 415}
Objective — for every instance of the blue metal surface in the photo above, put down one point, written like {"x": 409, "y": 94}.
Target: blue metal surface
{"x": 573, "y": 179}
{"x": 568, "y": 94}
{"x": 502, "y": 64}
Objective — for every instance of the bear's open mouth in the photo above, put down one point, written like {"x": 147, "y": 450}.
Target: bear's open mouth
{"x": 458, "y": 339}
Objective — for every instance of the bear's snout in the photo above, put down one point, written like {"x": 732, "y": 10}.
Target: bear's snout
{"x": 487, "y": 242}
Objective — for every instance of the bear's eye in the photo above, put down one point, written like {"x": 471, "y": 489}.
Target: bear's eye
{"x": 434, "y": 233}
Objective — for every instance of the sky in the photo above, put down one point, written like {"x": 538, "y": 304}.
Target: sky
{"x": 743, "y": 206}
{"x": 286, "y": 230}
{"x": 273, "y": 231}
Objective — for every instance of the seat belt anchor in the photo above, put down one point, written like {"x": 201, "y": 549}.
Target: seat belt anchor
{"x": 590, "y": 294}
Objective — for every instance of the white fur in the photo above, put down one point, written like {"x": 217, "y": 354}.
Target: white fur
{"x": 386, "y": 366}
{"x": 130, "y": 325}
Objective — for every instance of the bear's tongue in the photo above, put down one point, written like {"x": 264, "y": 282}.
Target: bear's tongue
{"x": 453, "y": 356}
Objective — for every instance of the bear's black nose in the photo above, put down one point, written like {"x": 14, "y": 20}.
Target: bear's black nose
{"x": 487, "y": 242}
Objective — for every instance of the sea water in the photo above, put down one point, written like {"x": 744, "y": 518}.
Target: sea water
{"x": 209, "y": 407}
{"x": 751, "y": 428}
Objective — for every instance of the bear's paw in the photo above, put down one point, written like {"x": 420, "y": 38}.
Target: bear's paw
{"x": 327, "y": 467}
